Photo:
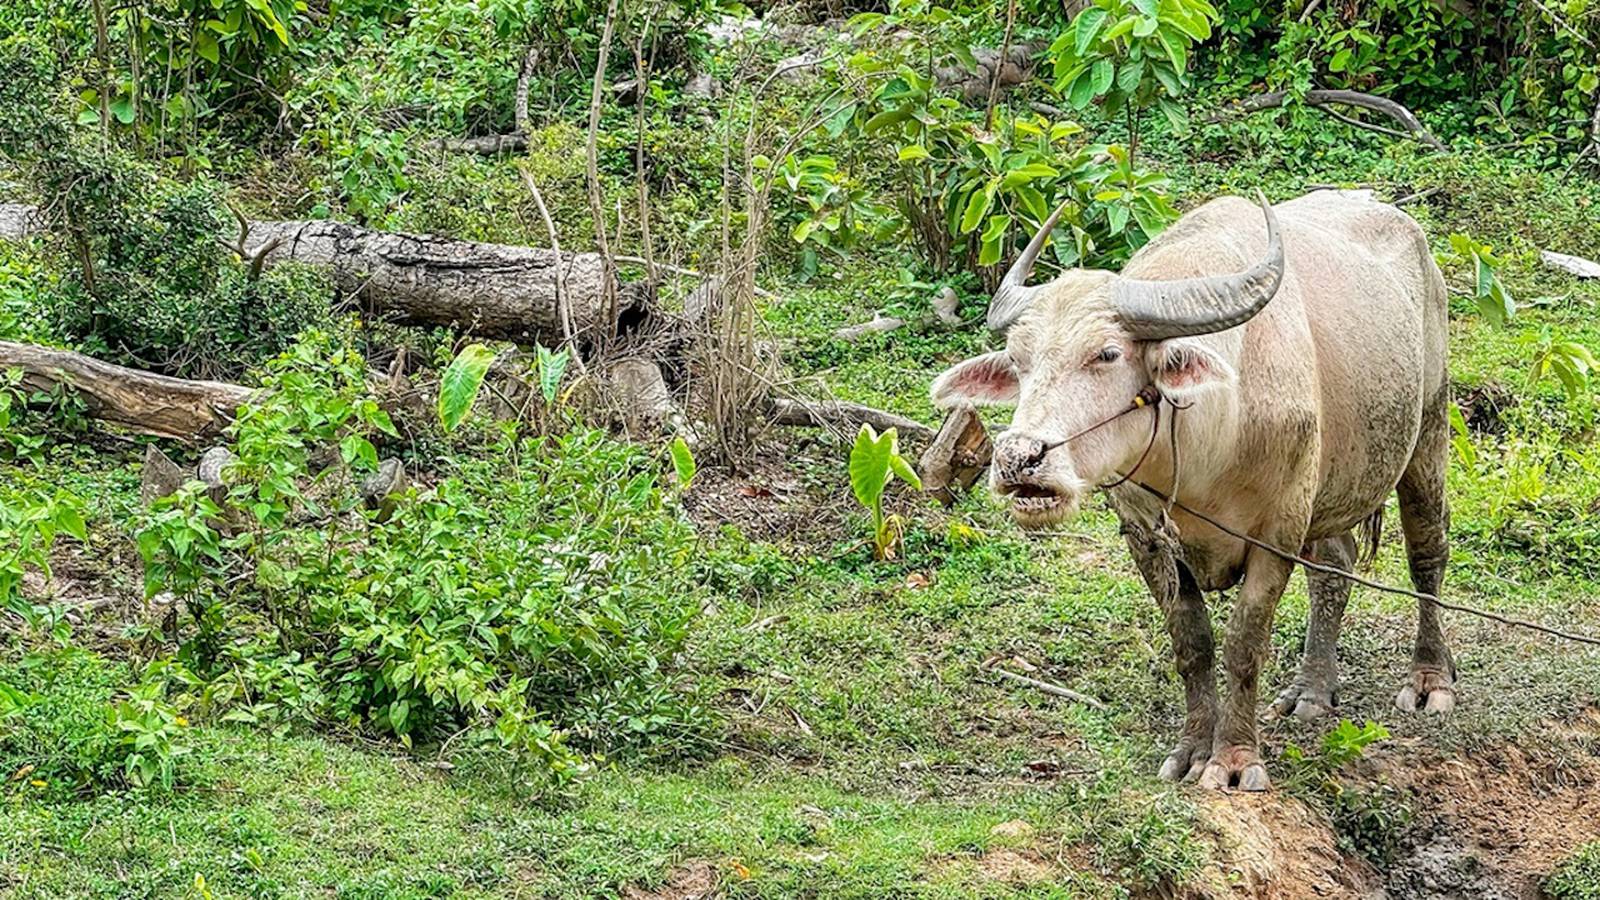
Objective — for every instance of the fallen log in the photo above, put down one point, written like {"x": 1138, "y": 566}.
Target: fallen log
{"x": 1323, "y": 98}
{"x": 498, "y": 291}
{"x": 844, "y": 417}
{"x": 145, "y": 402}
{"x": 491, "y": 290}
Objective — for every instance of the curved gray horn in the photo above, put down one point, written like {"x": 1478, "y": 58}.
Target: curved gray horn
{"x": 1014, "y": 296}
{"x": 1157, "y": 310}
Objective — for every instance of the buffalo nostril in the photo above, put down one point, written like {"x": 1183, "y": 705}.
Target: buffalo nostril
{"x": 1018, "y": 455}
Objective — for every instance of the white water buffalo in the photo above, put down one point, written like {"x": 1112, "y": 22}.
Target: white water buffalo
{"x": 1303, "y": 359}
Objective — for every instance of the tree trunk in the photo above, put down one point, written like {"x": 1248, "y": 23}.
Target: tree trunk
{"x": 530, "y": 60}
{"x": 18, "y": 220}
{"x": 491, "y": 290}
{"x": 145, "y": 402}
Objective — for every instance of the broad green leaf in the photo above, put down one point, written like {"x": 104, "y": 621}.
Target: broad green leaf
{"x": 977, "y": 205}
{"x": 683, "y": 464}
{"x": 205, "y": 44}
{"x": 869, "y": 465}
{"x": 122, "y": 108}
{"x": 912, "y": 152}
{"x": 1103, "y": 73}
{"x": 462, "y": 380}
{"x": 1081, "y": 91}
{"x": 904, "y": 472}
{"x": 1088, "y": 26}
{"x": 887, "y": 119}
{"x": 1175, "y": 113}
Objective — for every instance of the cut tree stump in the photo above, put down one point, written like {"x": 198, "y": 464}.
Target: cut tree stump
{"x": 148, "y": 403}
{"x": 957, "y": 455}
{"x": 159, "y": 477}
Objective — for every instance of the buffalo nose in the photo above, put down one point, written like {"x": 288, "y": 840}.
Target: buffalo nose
{"x": 1016, "y": 455}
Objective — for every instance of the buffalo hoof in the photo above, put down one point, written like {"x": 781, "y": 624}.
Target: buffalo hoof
{"x": 1302, "y": 702}
{"x": 1186, "y": 761}
{"x": 1430, "y": 690}
{"x": 1235, "y": 768}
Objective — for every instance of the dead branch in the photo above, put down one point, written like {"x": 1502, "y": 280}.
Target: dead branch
{"x": 143, "y": 401}
{"x": 1324, "y": 98}
{"x": 592, "y": 166}
{"x": 1572, "y": 265}
{"x": 1054, "y": 690}
{"x": 843, "y": 418}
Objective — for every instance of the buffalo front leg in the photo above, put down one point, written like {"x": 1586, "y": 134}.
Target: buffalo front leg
{"x": 1311, "y": 694}
{"x": 1184, "y": 609}
{"x": 1236, "y": 744}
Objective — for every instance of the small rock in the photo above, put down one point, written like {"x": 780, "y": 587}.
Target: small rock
{"x": 703, "y": 85}
{"x": 160, "y": 477}
{"x": 1015, "y": 829}
{"x": 799, "y": 68}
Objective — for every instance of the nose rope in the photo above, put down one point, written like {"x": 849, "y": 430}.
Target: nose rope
{"x": 1147, "y": 396}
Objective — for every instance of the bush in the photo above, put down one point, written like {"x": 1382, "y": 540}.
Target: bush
{"x": 535, "y": 599}
{"x": 68, "y": 726}
{"x": 1579, "y": 877}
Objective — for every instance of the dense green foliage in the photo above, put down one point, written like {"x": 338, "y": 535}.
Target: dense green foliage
{"x": 536, "y": 595}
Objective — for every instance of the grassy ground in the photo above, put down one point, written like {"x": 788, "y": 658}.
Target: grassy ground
{"x": 869, "y": 750}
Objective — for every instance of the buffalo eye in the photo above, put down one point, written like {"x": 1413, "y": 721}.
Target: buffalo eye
{"x": 1108, "y": 355}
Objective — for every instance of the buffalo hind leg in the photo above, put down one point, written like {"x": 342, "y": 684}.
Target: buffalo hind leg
{"x": 1312, "y": 693}
{"x": 1425, "y": 518}
{"x": 1236, "y": 745}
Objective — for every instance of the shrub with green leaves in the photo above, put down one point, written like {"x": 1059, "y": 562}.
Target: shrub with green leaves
{"x": 1131, "y": 55}
{"x": 69, "y": 723}
{"x": 30, "y": 522}
{"x": 1569, "y": 363}
{"x": 536, "y": 598}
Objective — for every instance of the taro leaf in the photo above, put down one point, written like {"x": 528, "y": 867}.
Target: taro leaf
{"x": 461, "y": 383}
{"x": 903, "y": 470}
{"x": 682, "y": 462}
{"x": 869, "y": 465}
{"x": 551, "y": 367}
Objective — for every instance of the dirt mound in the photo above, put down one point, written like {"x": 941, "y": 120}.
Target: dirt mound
{"x": 1489, "y": 826}
{"x": 1273, "y": 847}
{"x": 691, "y": 881}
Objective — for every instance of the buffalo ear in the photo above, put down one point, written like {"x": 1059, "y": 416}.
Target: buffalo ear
{"x": 985, "y": 380}
{"x": 1183, "y": 369}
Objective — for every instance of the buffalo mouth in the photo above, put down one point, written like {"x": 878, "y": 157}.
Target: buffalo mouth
{"x": 1036, "y": 504}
